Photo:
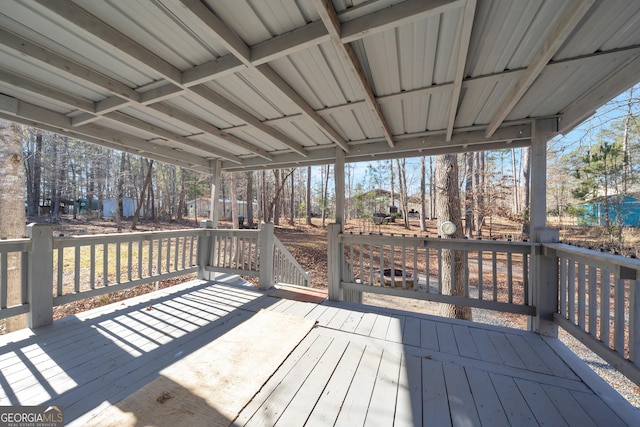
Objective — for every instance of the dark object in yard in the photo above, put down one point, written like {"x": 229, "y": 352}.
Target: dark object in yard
{"x": 396, "y": 280}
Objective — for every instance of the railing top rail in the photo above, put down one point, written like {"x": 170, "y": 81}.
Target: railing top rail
{"x": 70, "y": 241}
{"x": 15, "y": 245}
{"x": 232, "y": 232}
{"x": 464, "y": 244}
{"x": 596, "y": 256}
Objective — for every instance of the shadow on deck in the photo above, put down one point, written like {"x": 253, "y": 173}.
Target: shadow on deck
{"x": 362, "y": 365}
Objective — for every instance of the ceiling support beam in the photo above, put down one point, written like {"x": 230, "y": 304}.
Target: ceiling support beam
{"x": 332, "y": 23}
{"x": 394, "y": 16}
{"x": 243, "y": 53}
{"x": 171, "y": 136}
{"x": 464, "y": 39}
{"x": 107, "y": 34}
{"x": 33, "y": 115}
{"x": 222, "y": 102}
{"x": 554, "y": 40}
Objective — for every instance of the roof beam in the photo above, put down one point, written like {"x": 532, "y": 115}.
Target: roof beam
{"x": 243, "y": 52}
{"x": 222, "y": 102}
{"x": 209, "y": 129}
{"x": 554, "y": 40}
{"x": 622, "y": 79}
{"x": 330, "y": 18}
{"x": 285, "y": 44}
{"x": 171, "y": 136}
{"x": 513, "y": 136}
{"x": 464, "y": 39}
{"x": 35, "y": 115}
{"x": 92, "y": 25}
{"x": 394, "y": 16}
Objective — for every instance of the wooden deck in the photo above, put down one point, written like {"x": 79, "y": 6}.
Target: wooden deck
{"x": 359, "y": 366}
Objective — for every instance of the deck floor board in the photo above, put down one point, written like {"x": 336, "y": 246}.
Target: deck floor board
{"x": 360, "y": 365}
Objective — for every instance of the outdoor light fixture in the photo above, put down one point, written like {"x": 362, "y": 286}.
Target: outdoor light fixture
{"x": 447, "y": 228}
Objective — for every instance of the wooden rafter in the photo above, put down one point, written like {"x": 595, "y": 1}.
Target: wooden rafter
{"x": 330, "y": 18}
{"x": 557, "y": 36}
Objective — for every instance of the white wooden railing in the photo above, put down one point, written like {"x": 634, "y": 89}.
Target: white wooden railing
{"x": 13, "y": 259}
{"x": 253, "y": 253}
{"x": 51, "y": 271}
{"x": 88, "y": 266}
{"x": 599, "y": 303}
{"x": 496, "y": 274}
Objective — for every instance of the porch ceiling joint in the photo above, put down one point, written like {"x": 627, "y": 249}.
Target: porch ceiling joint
{"x": 555, "y": 39}
{"x": 332, "y": 23}
{"x": 243, "y": 52}
{"x": 464, "y": 39}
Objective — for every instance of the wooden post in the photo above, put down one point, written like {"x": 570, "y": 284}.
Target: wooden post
{"x": 216, "y": 181}
{"x": 266, "y": 256}
{"x": 40, "y": 275}
{"x": 544, "y": 283}
{"x": 339, "y": 187}
{"x": 334, "y": 262}
{"x": 204, "y": 252}
{"x": 542, "y": 130}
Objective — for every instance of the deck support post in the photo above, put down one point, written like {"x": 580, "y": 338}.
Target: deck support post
{"x": 339, "y": 186}
{"x": 216, "y": 182}
{"x": 334, "y": 261}
{"x": 544, "y": 292}
{"x": 40, "y": 275}
{"x": 205, "y": 243}
{"x": 266, "y": 256}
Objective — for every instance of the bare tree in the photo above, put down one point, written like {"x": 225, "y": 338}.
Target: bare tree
{"x": 308, "y": 200}
{"x": 448, "y": 209}
{"x": 423, "y": 188}
{"x": 249, "y": 176}
{"x": 147, "y": 184}
{"x": 404, "y": 197}
{"x": 12, "y": 213}
{"x": 468, "y": 195}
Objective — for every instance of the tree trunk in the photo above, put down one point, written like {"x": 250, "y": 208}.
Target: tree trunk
{"x": 250, "y": 199}
{"x": 147, "y": 183}
{"x": 233, "y": 190}
{"x": 391, "y": 176}
{"x": 308, "y": 201}
{"x": 516, "y": 205}
{"x": 423, "y": 189}
{"x": 36, "y": 177}
{"x": 404, "y": 197}
{"x": 448, "y": 209}
{"x": 12, "y": 213}
{"x": 183, "y": 194}
{"x": 325, "y": 193}
{"x": 120, "y": 192}
{"x": 468, "y": 196}
{"x": 292, "y": 221}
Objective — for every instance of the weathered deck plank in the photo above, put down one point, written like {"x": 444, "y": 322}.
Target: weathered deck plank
{"x": 360, "y": 365}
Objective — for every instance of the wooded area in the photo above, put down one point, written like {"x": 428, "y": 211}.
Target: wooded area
{"x": 68, "y": 176}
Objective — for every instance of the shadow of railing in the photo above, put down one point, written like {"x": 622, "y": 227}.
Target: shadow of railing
{"x": 97, "y": 358}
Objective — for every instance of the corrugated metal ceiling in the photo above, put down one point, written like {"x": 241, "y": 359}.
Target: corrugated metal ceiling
{"x": 266, "y": 84}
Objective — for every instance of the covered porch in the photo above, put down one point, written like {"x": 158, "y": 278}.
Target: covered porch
{"x": 359, "y": 365}
{"x": 244, "y": 85}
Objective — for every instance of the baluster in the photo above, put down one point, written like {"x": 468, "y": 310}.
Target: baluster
{"x": 465, "y": 264}
{"x": 150, "y": 260}
{"x": 184, "y": 250}
{"x": 371, "y": 280}
{"x": 618, "y": 325}
{"x": 510, "y": 277}
{"x": 76, "y": 272}
{"x": 4, "y": 282}
{"x": 525, "y": 277}
{"x": 571, "y": 290}
{"x": 593, "y": 301}
{"x": 118, "y": 262}
{"x": 440, "y": 271}
{"x": 130, "y": 259}
{"x": 92, "y": 275}
{"x": 168, "y": 257}
{"x": 480, "y": 280}
{"x": 582, "y": 278}
{"x": 404, "y": 265}
{"x": 361, "y": 256}
{"x": 382, "y": 263}
{"x": 494, "y": 266}
{"x": 175, "y": 256}
{"x": 140, "y": 248}
{"x": 563, "y": 287}
{"x": 160, "y": 255}
{"x": 105, "y": 264}
{"x": 634, "y": 318}
{"x": 427, "y": 262}
{"x": 415, "y": 263}
{"x": 605, "y": 302}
